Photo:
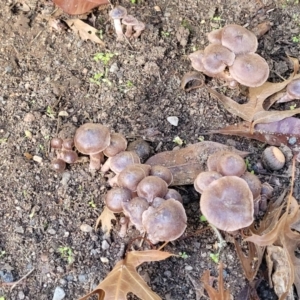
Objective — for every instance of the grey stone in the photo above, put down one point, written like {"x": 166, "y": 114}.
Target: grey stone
{"x": 59, "y": 293}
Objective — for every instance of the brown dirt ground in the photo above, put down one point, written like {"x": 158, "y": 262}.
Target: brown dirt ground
{"x": 46, "y": 71}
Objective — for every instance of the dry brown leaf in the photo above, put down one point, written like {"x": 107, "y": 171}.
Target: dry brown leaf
{"x": 186, "y": 163}
{"x": 85, "y": 31}
{"x": 221, "y": 293}
{"x": 254, "y": 110}
{"x": 124, "y": 278}
{"x": 78, "y": 7}
{"x": 105, "y": 219}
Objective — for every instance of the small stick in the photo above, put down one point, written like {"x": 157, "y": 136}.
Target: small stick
{"x": 15, "y": 283}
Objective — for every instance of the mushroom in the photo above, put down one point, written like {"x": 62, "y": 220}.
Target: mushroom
{"x": 166, "y": 222}
{"x": 124, "y": 222}
{"x": 216, "y": 58}
{"x": 227, "y": 203}
{"x": 292, "y": 92}
{"x": 238, "y": 39}
{"x": 134, "y": 209}
{"x": 69, "y": 156}
{"x": 151, "y": 187}
{"x": 215, "y": 36}
{"x": 250, "y": 70}
{"x": 230, "y": 164}
{"x": 204, "y": 179}
{"x": 142, "y": 149}
{"x": 163, "y": 173}
{"x": 56, "y": 143}
{"x": 138, "y": 28}
{"x": 115, "y": 197}
{"x": 58, "y": 165}
{"x": 174, "y": 195}
{"x": 92, "y": 139}
{"x": 131, "y": 176}
{"x": 129, "y": 21}
{"x": 117, "y": 14}
{"x": 68, "y": 144}
{"x": 118, "y": 143}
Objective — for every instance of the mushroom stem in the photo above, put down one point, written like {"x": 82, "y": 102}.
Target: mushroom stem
{"x": 106, "y": 166}
{"x": 113, "y": 181}
{"x": 96, "y": 160}
{"x": 128, "y": 32}
{"x": 124, "y": 226}
{"x": 119, "y": 30}
{"x": 222, "y": 242}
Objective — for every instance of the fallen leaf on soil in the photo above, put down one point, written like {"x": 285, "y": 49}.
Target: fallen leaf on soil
{"x": 222, "y": 293}
{"x": 85, "y": 31}
{"x": 199, "y": 287}
{"x": 249, "y": 291}
{"x": 78, "y": 7}
{"x": 105, "y": 219}
{"x": 186, "y": 163}
{"x": 124, "y": 278}
{"x": 286, "y": 131}
{"x": 254, "y": 110}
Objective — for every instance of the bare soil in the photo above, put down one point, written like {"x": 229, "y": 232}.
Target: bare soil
{"x": 46, "y": 92}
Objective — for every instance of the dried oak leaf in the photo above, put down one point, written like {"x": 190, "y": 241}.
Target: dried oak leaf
{"x": 85, "y": 31}
{"x": 222, "y": 293}
{"x": 124, "y": 278}
{"x": 186, "y": 163}
{"x": 78, "y": 7}
{"x": 105, "y": 219}
{"x": 254, "y": 110}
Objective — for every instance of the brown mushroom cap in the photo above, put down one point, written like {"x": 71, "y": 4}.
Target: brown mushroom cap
{"x": 238, "y": 39}
{"x": 293, "y": 89}
{"x": 215, "y": 36}
{"x": 115, "y": 197}
{"x": 91, "y": 138}
{"x": 163, "y": 173}
{"x": 134, "y": 209}
{"x": 131, "y": 176}
{"x": 118, "y": 143}
{"x": 250, "y": 70}
{"x": 151, "y": 187}
{"x": 166, "y": 222}
{"x": 118, "y": 12}
{"x": 58, "y": 165}
{"x": 68, "y": 144}
{"x": 231, "y": 164}
{"x": 173, "y": 194}
{"x": 227, "y": 203}
{"x": 129, "y": 20}
{"x": 69, "y": 156}
{"x": 253, "y": 183}
{"x": 123, "y": 159}
{"x": 196, "y": 60}
{"x": 216, "y": 58}
{"x": 141, "y": 147}
{"x": 204, "y": 179}
{"x": 56, "y": 143}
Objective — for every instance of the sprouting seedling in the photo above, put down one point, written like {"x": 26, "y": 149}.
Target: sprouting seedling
{"x": 2, "y": 253}
{"x": 248, "y": 165}
{"x": 177, "y": 140}
{"x": 100, "y": 77}
{"x": 66, "y": 252}
{"x": 296, "y": 39}
{"x": 103, "y": 57}
{"x": 92, "y": 204}
{"x": 292, "y": 107}
{"x": 215, "y": 257}
{"x": 203, "y": 218}
{"x": 165, "y": 33}
{"x": 183, "y": 255}
{"x": 50, "y": 112}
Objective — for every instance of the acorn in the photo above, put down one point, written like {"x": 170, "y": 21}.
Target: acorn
{"x": 273, "y": 158}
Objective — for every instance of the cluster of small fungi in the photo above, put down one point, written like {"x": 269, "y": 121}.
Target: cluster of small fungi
{"x": 230, "y": 196}
{"x": 139, "y": 191}
{"x": 231, "y": 56}
{"x": 134, "y": 27}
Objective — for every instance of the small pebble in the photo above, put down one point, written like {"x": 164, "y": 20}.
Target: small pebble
{"x": 6, "y": 276}
{"x": 82, "y": 278}
{"x": 104, "y": 260}
{"x": 37, "y": 158}
{"x": 51, "y": 231}
{"x": 105, "y": 245}
{"x": 86, "y": 228}
{"x": 173, "y": 120}
{"x": 29, "y": 118}
{"x": 21, "y": 295}
{"x": 59, "y": 293}
{"x": 188, "y": 268}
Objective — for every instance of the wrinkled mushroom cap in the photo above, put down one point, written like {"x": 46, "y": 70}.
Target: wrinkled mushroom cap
{"x": 166, "y": 222}
{"x": 118, "y": 143}
{"x": 293, "y": 89}
{"x": 239, "y": 39}
{"x": 227, "y": 203}
{"x": 216, "y": 58}
{"x": 250, "y": 70}
{"x": 231, "y": 164}
{"x": 91, "y": 138}
{"x": 118, "y": 12}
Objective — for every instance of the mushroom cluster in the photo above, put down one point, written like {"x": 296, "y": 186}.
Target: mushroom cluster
{"x": 141, "y": 192}
{"x": 134, "y": 27}
{"x": 231, "y": 56}
{"x": 230, "y": 196}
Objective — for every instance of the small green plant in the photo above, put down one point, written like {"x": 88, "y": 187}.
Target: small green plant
{"x": 66, "y": 252}
{"x": 248, "y": 165}
{"x": 201, "y": 138}
{"x": 183, "y": 255}
{"x": 99, "y": 78}
{"x": 133, "y": 1}
{"x": 215, "y": 257}
{"x": 203, "y": 218}
{"x": 2, "y": 253}
{"x": 296, "y": 39}
{"x": 2, "y": 141}
{"x": 165, "y": 33}
{"x": 103, "y": 57}
{"x": 177, "y": 140}
{"x": 129, "y": 84}
{"x": 292, "y": 107}
{"x": 92, "y": 204}
{"x": 50, "y": 112}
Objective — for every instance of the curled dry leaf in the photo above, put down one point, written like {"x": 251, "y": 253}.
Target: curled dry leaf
{"x": 192, "y": 80}
{"x": 222, "y": 293}
{"x": 85, "y": 31}
{"x": 124, "y": 278}
{"x": 78, "y": 7}
{"x": 105, "y": 220}
{"x": 186, "y": 163}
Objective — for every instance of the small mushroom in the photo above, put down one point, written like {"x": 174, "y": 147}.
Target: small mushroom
{"x": 273, "y": 158}
{"x": 134, "y": 209}
{"x": 129, "y": 21}
{"x": 138, "y": 28}
{"x": 204, "y": 179}
{"x": 151, "y": 187}
{"x": 227, "y": 203}
{"x": 56, "y": 143}
{"x": 118, "y": 143}
{"x": 142, "y": 149}
{"x": 91, "y": 139}
{"x": 132, "y": 175}
{"x": 173, "y": 194}
{"x": 166, "y": 222}
{"x": 115, "y": 197}
{"x": 238, "y": 39}
{"x": 58, "y": 165}
{"x": 69, "y": 156}
{"x": 215, "y": 36}
{"x": 250, "y": 69}
{"x": 254, "y": 184}
{"x": 68, "y": 144}
{"x": 231, "y": 164}
{"x": 292, "y": 92}
{"x": 163, "y": 173}
{"x": 117, "y": 14}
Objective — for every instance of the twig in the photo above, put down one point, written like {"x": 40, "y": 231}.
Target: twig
{"x": 222, "y": 242}
{"x": 15, "y": 283}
